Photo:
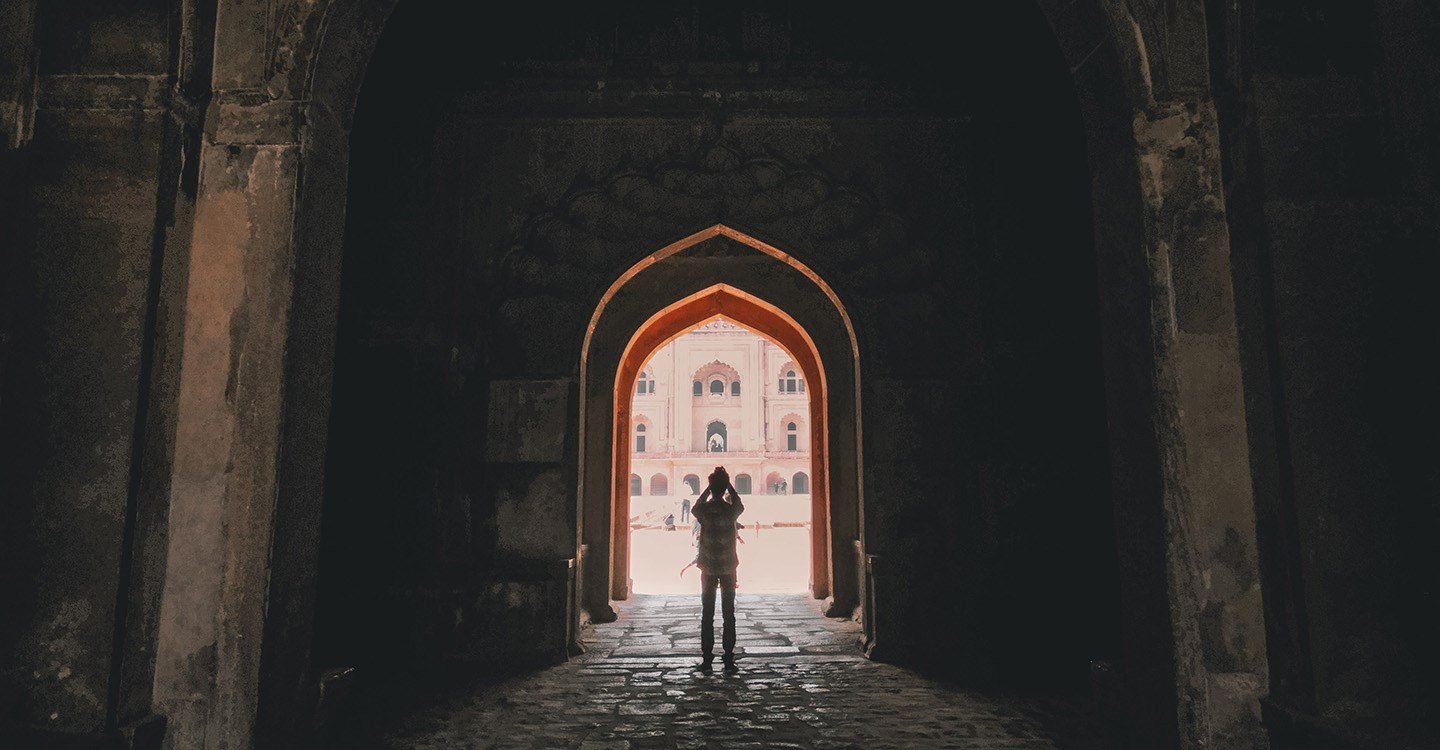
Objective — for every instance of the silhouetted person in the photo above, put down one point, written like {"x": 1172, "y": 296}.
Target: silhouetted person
{"x": 685, "y": 510}
{"x": 717, "y": 509}
{"x": 695, "y": 542}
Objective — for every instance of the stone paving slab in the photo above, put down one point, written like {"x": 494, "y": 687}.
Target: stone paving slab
{"x": 638, "y": 686}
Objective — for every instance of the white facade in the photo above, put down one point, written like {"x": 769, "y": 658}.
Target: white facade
{"x": 751, "y": 415}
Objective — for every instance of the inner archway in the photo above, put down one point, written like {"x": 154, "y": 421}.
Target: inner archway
{"x": 718, "y": 303}
{"x": 633, "y": 322}
{"x": 741, "y": 428}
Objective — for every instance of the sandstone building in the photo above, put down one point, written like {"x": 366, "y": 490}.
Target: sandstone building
{"x": 720, "y": 395}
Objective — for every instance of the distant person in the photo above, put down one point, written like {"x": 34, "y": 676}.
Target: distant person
{"x": 739, "y": 527}
{"x": 694, "y": 542}
{"x": 718, "y": 509}
{"x": 685, "y": 510}
{"x": 670, "y": 522}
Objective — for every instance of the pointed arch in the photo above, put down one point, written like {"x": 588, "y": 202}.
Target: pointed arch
{"x": 789, "y": 431}
{"x": 642, "y": 434}
{"x": 727, "y": 302}
{"x": 838, "y": 520}
{"x": 717, "y": 436}
{"x": 717, "y": 230}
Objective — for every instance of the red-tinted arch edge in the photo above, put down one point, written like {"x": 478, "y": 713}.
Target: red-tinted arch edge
{"x": 767, "y": 320}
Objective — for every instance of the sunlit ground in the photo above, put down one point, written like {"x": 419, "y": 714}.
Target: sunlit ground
{"x": 772, "y": 560}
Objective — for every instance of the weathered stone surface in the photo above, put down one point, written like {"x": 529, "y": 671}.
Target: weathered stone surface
{"x": 17, "y": 74}
{"x": 535, "y": 520}
{"x": 71, "y": 400}
{"x": 223, "y": 491}
{"x": 818, "y": 693}
{"x": 527, "y": 420}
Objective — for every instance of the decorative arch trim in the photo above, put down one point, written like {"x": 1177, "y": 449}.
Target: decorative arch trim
{"x": 723, "y": 369}
{"x": 715, "y": 302}
{"x": 717, "y": 230}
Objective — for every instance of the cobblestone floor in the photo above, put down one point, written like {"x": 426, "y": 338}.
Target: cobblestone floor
{"x": 800, "y": 682}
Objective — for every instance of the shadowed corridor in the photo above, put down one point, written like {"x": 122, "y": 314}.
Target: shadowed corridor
{"x": 329, "y": 328}
{"x": 800, "y": 682}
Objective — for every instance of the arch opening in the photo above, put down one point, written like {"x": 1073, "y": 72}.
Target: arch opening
{"x": 691, "y": 438}
{"x": 633, "y": 320}
{"x": 725, "y": 303}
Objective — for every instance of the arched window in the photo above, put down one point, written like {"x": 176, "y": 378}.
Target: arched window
{"x": 634, "y": 485}
{"x": 693, "y": 483}
{"x": 659, "y": 485}
{"x": 792, "y": 437}
{"x": 800, "y": 483}
{"x": 790, "y": 382}
{"x": 716, "y": 437}
{"x": 639, "y": 438}
{"x": 774, "y": 483}
{"x": 644, "y": 384}
{"x": 716, "y": 379}
{"x": 742, "y": 484}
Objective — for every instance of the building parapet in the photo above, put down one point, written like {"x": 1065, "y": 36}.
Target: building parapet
{"x": 657, "y": 455}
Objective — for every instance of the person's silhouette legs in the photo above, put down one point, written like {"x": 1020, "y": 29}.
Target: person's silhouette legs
{"x": 707, "y": 618}
{"x": 708, "y": 584}
{"x": 727, "y": 613}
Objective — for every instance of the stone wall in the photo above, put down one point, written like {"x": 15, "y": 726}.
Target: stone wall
{"x": 484, "y": 227}
{"x": 1332, "y": 196}
{"x": 97, "y": 201}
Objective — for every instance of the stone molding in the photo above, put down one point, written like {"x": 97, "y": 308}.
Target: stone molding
{"x": 834, "y": 98}
{"x": 108, "y": 91}
{"x": 723, "y": 369}
{"x": 245, "y": 118}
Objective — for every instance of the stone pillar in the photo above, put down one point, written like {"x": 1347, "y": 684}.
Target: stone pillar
{"x": 253, "y": 407}
{"x": 1209, "y": 515}
{"x": 17, "y": 74}
{"x": 595, "y": 500}
{"x": 842, "y": 479}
